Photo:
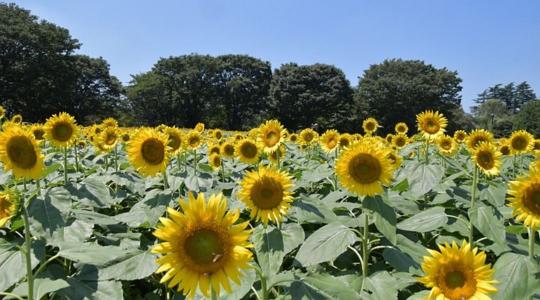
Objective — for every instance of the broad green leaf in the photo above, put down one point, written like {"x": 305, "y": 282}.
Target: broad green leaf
{"x": 137, "y": 265}
{"x": 45, "y": 218}
{"x": 92, "y": 289}
{"x": 326, "y": 244}
{"x": 382, "y": 286}
{"x": 93, "y": 254}
{"x": 13, "y": 263}
{"x": 319, "y": 286}
{"x": 421, "y": 178}
{"x": 269, "y": 249}
{"x": 310, "y": 210}
{"x": 399, "y": 260}
{"x": 428, "y": 220}
{"x": 293, "y": 235}
{"x": 385, "y": 217}
{"x": 94, "y": 192}
{"x": 494, "y": 193}
{"x": 512, "y": 273}
{"x": 94, "y": 217}
{"x": 489, "y": 224}
{"x": 42, "y": 287}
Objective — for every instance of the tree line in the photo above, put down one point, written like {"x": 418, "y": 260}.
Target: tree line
{"x": 41, "y": 74}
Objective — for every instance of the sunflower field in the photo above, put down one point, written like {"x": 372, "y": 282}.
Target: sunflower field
{"x": 107, "y": 212}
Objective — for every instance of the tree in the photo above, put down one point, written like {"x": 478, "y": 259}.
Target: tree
{"x": 513, "y": 96}
{"x": 242, "y": 87}
{"x": 494, "y": 116}
{"x": 305, "y": 95}
{"x": 528, "y": 118}
{"x": 40, "y": 75}
{"x": 397, "y": 90}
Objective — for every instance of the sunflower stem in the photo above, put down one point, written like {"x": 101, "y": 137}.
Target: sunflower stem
{"x": 115, "y": 158}
{"x": 213, "y": 293}
{"x": 473, "y": 203}
{"x": 532, "y": 238}
{"x": 27, "y": 246}
{"x": 65, "y": 166}
{"x": 165, "y": 180}
{"x": 178, "y": 162}
{"x": 365, "y": 250}
{"x": 195, "y": 162}
{"x": 76, "y": 158}
{"x": 264, "y": 290}
{"x": 427, "y": 151}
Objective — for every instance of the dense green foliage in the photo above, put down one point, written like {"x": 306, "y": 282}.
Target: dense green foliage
{"x": 512, "y": 95}
{"x": 529, "y": 117}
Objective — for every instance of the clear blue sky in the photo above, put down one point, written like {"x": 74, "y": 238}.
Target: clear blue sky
{"x": 487, "y": 42}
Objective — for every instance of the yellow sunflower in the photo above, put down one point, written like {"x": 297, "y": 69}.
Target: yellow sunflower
{"x": 203, "y": 246}
{"x": 194, "y": 139}
{"x": 17, "y": 119}
{"x": 401, "y": 127}
{"x": 487, "y": 158}
{"x": 329, "y": 140}
{"x": 20, "y": 153}
{"x": 270, "y": 135}
{"x": 395, "y": 159}
{"x": 9, "y": 203}
{"x": 308, "y": 136}
{"x": 147, "y": 151}
{"x": 267, "y": 193}
{"x": 214, "y": 149}
{"x": 108, "y": 138}
{"x": 370, "y": 125}
{"x": 431, "y": 124}
{"x": 521, "y": 142}
{"x": 400, "y": 140}
{"x": 460, "y": 136}
{"x": 175, "y": 139}
{"x": 345, "y": 140}
{"x": 199, "y": 127}
{"x": 535, "y": 165}
{"x": 217, "y": 134}
{"x": 447, "y": 145}
{"x": 227, "y": 149}
{"x": 2, "y": 112}
{"x": 364, "y": 168}
{"x": 476, "y": 137}
{"x": 125, "y": 137}
{"x": 38, "y": 131}
{"x": 215, "y": 161}
{"x": 525, "y": 199}
{"x": 536, "y": 145}
{"x": 457, "y": 272}
{"x": 247, "y": 151}
{"x": 293, "y": 137}
{"x": 278, "y": 155}
{"x": 110, "y": 122}
{"x": 61, "y": 130}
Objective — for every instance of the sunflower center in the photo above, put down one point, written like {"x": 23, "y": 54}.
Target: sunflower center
{"x": 370, "y": 126}
{"x": 477, "y": 141}
{"x": 110, "y": 138}
{"x": 267, "y": 193}
{"x": 229, "y": 150}
{"x": 431, "y": 126}
{"x": 532, "y": 198}
{"x": 455, "y": 279}
{"x": 485, "y": 159}
{"x": 153, "y": 151}
{"x": 214, "y": 150}
{"x": 174, "y": 142}
{"x": 272, "y": 138}
{"x": 62, "y": 131}
{"x": 308, "y": 137}
{"x": 365, "y": 169}
{"x": 38, "y": 134}
{"x": 519, "y": 143}
{"x": 204, "y": 247}
{"x": 332, "y": 143}
{"x": 193, "y": 141}
{"x": 21, "y": 152}
{"x": 249, "y": 150}
{"x": 5, "y": 206}
{"x": 446, "y": 145}
{"x": 505, "y": 150}
{"x": 400, "y": 142}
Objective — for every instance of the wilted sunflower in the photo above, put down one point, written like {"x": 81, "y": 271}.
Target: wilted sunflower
{"x": 487, "y": 158}
{"x": 227, "y": 149}
{"x": 61, "y": 130}
{"x": 9, "y": 203}
{"x": 147, "y": 151}
{"x": 17, "y": 119}
{"x": 521, "y": 142}
{"x": 370, "y": 125}
{"x": 525, "y": 199}
{"x": 215, "y": 161}
{"x": 20, "y": 153}
{"x": 431, "y": 124}
{"x": 329, "y": 140}
{"x": 267, "y": 193}
{"x": 270, "y": 135}
{"x": 457, "y": 272}
{"x": 400, "y": 140}
{"x": 247, "y": 151}
{"x": 202, "y": 246}
{"x": 460, "y": 136}
{"x": 364, "y": 168}
{"x": 447, "y": 145}
{"x": 194, "y": 139}
{"x": 199, "y": 127}
{"x": 476, "y": 137}
{"x": 175, "y": 139}
{"x": 308, "y": 136}
{"x": 401, "y": 127}
{"x": 38, "y": 131}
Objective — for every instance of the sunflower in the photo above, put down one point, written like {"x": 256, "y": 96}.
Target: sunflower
{"x": 61, "y": 130}
{"x": 457, "y": 272}
{"x": 400, "y": 140}
{"x": 476, "y": 137}
{"x": 345, "y": 140}
{"x": 175, "y": 139}
{"x": 108, "y": 138}
{"x": 217, "y": 134}
{"x": 487, "y": 158}
{"x": 293, "y": 137}
{"x": 147, "y": 151}
{"x": 20, "y": 153}
{"x": 278, "y": 155}
{"x": 110, "y": 122}
{"x": 9, "y": 203}
{"x": 267, "y": 193}
{"x": 431, "y": 124}
{"x": 364, "y": 168}
{"x": 194, "y": 139}
{"x": 524, "y": 197}
{"x": 460, "y": 136}
{"x": 447, "y": 145}
{"x": 536, "y": 145}
{"x": 227, "y": 149}
{"x": 202, "y": 246}
{"x": 17, "y": 119}
{"x": 2, "y": 112}
{"x": 38, "y": 131}
{"x": 389, "y": 138}
{"x": 308, "y": 136}
{"x": 214, "y": 149}
{"x": 535, "y": 165}
{"x": 395, "y": 159}
{"x": 370, "y": 125}
{"x": 329, "y": 140}
{"x": 504, "y": 149}
{"x": 247, "y": 151}
{"x": 521, "y": 142}
{"x": 401, "y": 127}
{"x": 215, "y": 161}
{"x": 199, "y": 127}
{"x": 125, "y": 137}
{"x": 270, "y": 135}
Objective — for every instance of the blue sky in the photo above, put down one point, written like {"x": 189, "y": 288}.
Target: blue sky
{"x": 487, "y": 42}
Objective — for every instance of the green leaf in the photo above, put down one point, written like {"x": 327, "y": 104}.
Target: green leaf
{"x": 399, "y": 260}
{"x": 94, "y": 217}
{"x": 511, "y": 271}
{"x": 293, "y": 235}
{"x": 13, "y": 264}
{"x": 385, "y": 217}
{"x": 148, "y": 211}
{"x": 494, "y": 193}
{"x": 269, "y": 249}
{"x": 197, "y": 183}
{"x": 45, "y": 218}
{"x": 421, "y": 178}
{"x": 92, "y": 289}
{"x": 92, "y": 254}
{"x": 42, "y": 287}
{"x": 321, "y": 286}
{"x": 326, "y": 244}
{"x": 489, "y": 224}
{"x": 94, "y": 192}
{"x": 137, "y": 265}
{"x": 382, "y": 286}
{"x": 309, "y": 210}
{"x": 425, "y": 221}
